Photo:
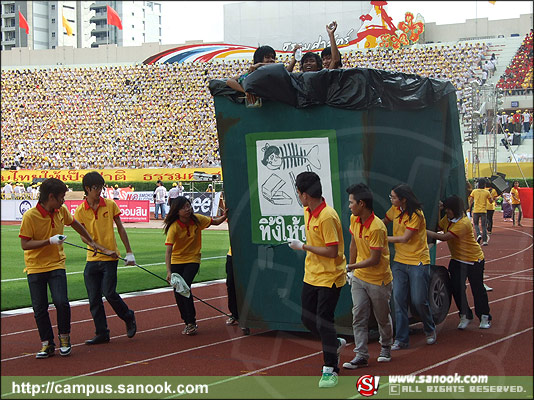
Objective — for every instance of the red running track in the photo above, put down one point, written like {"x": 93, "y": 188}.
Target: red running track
{"x": 159, "y": 348}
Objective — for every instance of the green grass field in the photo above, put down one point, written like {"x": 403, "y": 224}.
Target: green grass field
{"x": 148, "y": 246}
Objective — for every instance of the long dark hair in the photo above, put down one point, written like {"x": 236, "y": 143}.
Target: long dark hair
{"x": 174, "y": 215}
{"x": 455, "y": 204}
{"x": 413, "y": 205}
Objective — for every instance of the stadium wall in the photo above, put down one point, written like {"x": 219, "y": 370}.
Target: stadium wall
{"x": 480, "y": 28}
{"x": 103, "y": 55}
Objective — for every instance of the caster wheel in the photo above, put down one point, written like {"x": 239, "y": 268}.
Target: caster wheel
{"x": 246, "y": 331}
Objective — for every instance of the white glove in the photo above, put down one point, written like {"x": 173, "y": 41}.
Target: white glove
{"x": 57, "y": 239}
{"x": 129, "y": 259}
{"x": 296, "y": 244}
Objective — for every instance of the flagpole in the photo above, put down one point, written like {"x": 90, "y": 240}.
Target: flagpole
{"x": 17, "y": 36}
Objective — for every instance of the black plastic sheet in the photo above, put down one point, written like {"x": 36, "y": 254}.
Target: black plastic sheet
{"x": 353, "y": 88}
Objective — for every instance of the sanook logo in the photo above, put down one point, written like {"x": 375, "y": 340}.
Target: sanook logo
{"x": 367, "y": 385}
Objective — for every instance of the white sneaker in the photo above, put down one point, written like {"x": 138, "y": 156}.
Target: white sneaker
{"x": 341, "y": 343}
{"x": 488, "y": 289}
{"x": 485, "y": 322}
{"x": 464, "y": 321}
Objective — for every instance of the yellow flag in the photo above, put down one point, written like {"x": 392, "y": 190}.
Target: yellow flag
{"x": 492, "y": 2}
{"x": 67, "y": 26}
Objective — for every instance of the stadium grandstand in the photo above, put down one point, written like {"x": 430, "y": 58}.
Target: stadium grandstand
{"x": 162, "y": 115}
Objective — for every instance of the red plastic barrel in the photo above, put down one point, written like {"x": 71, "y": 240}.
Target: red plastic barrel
{"x": 525, "y": 195}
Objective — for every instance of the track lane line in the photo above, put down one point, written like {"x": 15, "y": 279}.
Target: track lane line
{"x": 123, "y": 335}
{"x": 113, "y": 315}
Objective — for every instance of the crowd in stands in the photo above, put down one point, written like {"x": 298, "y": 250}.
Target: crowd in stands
{"x": 517, "y": 78}
{"x": 162, "y": 115}
{"x": 17, "y": 191}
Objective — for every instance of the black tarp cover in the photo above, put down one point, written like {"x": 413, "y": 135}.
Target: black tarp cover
{"x": 352, "y": 88}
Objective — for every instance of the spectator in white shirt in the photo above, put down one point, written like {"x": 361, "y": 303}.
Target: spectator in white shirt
{"x": 161, "y": 194}
{"x": 526, "y": 121}
{"x": 173, "y": 194}
{"x": 7, "y": 190}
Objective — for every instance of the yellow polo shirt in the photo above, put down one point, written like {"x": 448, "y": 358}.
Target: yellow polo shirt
{"x": 416, "y": 250}
{"x": 99, "y": 224}
{"x": 186, "y": 240}
{"x": 480, "y": 197}
{"x": 39, "y": 224}
{"x": 371, "y": 234}
{"x": 463, "y": 246}
{"x": 494, "y": 196}
{"x": 515, "y": 192}
{"x": 323, "y": 228}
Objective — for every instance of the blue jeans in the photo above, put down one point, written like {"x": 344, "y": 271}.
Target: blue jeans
{"x": 101, "y": 279}
{"x": 56, "y": 280}
{"x": 411, "y": 282}
{"x": 157, "y": 207}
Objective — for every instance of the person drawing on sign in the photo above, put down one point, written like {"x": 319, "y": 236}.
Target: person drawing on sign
{"x": 183, "y": 243}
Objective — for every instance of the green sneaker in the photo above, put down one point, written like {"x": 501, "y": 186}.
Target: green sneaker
{"x": 329, "y": 378}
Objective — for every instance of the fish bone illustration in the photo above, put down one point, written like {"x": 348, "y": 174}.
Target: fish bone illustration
{"x": 290, "y": 155}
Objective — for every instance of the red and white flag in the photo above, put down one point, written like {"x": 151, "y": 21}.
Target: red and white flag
{"x": 113, "y": 18}
{"x": 23, "y": 23}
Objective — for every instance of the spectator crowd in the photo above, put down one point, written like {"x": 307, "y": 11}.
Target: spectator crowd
{"x": 162, "y": 115}
{"x": 517, "y": 78}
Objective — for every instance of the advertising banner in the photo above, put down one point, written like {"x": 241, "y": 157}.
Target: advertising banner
{"x": 12, "y": 210}
{"x": 131, "y": 210}
{"x": 113, "y": 175}
{"x": 201, "y": 201}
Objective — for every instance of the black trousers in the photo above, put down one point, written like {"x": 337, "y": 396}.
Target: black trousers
{"x": 318, "y": 307}
{"x": 230, "y": 287}
{"x": 489, "y": 220}
{"x": 185, "y": 304}
{"x": 101, "y": 279}
{"x": 459, "y": 272}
